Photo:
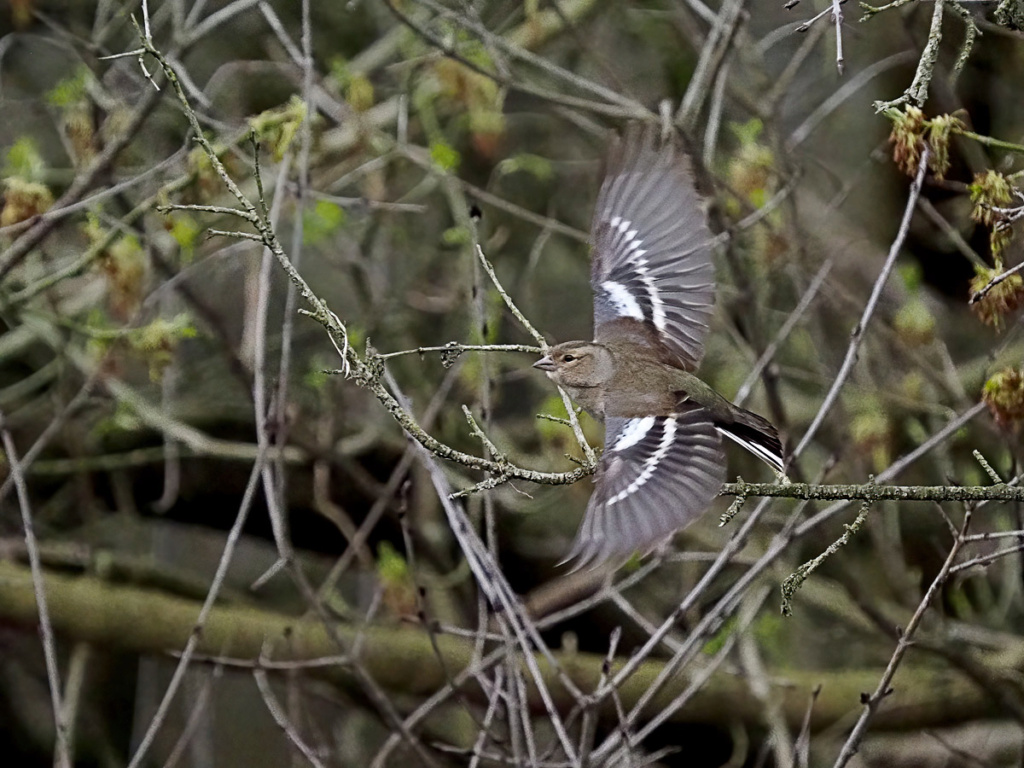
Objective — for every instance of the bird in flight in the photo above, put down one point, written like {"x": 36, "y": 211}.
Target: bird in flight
{"x": 654, "y": 292}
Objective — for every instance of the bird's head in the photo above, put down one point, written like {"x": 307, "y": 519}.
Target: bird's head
{"x": 577, "y": 364}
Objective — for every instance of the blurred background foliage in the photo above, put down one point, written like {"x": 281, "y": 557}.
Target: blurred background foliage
{"x": 134, "y": 340}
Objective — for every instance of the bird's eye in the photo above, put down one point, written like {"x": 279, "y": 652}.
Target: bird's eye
{"x": 569, "y": 358}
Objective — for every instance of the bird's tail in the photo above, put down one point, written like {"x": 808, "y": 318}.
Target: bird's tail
{"x": 757, "y": 435}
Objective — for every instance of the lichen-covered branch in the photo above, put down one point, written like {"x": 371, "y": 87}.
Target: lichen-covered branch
{"x": 366, "y": 372}
{"x": 871, "y": 492}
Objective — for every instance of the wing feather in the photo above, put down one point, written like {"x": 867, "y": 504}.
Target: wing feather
{"x": 657, "y": 475}
{"x": 652, "y": 249}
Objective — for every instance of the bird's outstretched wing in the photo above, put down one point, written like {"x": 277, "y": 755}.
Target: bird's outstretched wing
{"x": 658, "y": 474}
{"x": 652, "y": 250}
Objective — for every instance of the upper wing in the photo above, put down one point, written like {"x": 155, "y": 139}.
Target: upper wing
{"x": 658, "y": 474}
{"x": 652, "y": 248}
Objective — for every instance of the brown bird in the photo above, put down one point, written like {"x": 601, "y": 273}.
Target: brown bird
{"x": 654, "y": 292}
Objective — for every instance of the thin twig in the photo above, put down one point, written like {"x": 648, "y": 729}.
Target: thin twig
{"x": 883, "y": 690}
{"x": 987, "y": 559}
{"x": 794, "y": 317}
{"x": 837, "y": 19}
{"x": 588, "y": 452}
{"x": 501, "y": 596}
{"x": 857, "y": 336}
{"x": 234, "y": 535}
{"x": 282, "y": 720}
{"x": 795, "y": 580}
{"x": 454, "y": 349}
{"x": 983, "y": 291}
{"x": 527, "y": 325}
{"x": 62, "y": 753}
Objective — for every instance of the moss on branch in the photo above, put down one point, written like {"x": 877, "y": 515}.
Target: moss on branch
{"x": 401, "y": 659}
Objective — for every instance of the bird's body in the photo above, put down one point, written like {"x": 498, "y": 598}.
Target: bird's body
{"x": 633, "y": 382}
{"x": 654, "y": 291}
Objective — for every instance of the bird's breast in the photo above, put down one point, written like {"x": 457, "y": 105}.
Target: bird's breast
{"x": 641, "y": 387}
{"x": 591, "y": 399}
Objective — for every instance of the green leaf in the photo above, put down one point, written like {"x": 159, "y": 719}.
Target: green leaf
{"x": 391, "y": 566}
{"x": 716, "y": 643}
{"x": 456, "y": 236}
{"x": 23, "y": 159}
{"x": 186, "y": 231}
{"x": 323, "y": 220}
{"x": 315, "y": 378}
{"x": 911, "y": 275}
{"x": 747, "y": 133}
{"x": 444, "y": 156}
{"x": 535, "y": 165}
{"x": 278, "y": 127}
{"x": 71, "y": 89}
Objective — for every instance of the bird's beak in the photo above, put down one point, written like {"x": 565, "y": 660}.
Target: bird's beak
{"x": 545, "y": 363}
